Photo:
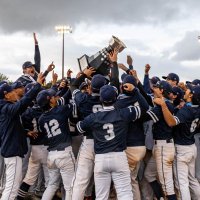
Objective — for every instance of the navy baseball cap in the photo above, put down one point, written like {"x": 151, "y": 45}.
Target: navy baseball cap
{"x": 123, "y": 76}
{"x": 44, "y": 96}
{"x": 164, "y": 85}
{"x": 178, "y": 91}
{"x": 2, "y": 82}
{"x": 194, "y": 82}
{"x": 27, "y": 64}
{"x": 83, "y": 84}
{"x": 97, "y": 82}
{"x": 17, "y": 84}
{"x": 129, "y": 79}
{"x": 172, "y": 76}
{"x": 4, "y": 89}
{"x": 195, "y": 90}
{"x": 108, "y": 94}
{"x": 154, "y": 80}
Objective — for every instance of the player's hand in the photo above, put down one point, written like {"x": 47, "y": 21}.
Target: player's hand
{"x": 129, "y": 60}
{"x": 33, "y": 134}
{"x": 159, "y": 101}
{"x": 113, "y": 55}
{"x": 69, "y": 72}
{"x": 147, "y": 68}
{"x": 128, "y": 87}
{"x": 35, "y": 39}
{"x": 182, "y": 86}
{"x": 89, "y": 71}
{"x": 54, "y": 78}
{"x": 40, "y": 78}
{"x": 50, "y": 67}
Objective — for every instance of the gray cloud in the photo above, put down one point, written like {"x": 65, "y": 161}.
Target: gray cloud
{"x": 188, "y": 49}
{"x": 23, "y": 15}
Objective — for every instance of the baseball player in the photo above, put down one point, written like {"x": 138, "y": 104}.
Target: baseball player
{"x": 185, "y": 122}
{"x": 86, "y": 104}
{"x": 54, "y": 123}
{"x": 135, "y": 137}
{"x": 109, "y": 128}
{"x": 163, "y": 150}
{"x": 38, "y": 157}
{"x": 12, "y": 134}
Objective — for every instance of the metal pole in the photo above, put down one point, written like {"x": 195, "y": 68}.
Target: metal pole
{"x": 63, "y": 49}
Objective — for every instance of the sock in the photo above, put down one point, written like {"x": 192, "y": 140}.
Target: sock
{"x": 23, "y": 190}
{"x": 157, "y": 189}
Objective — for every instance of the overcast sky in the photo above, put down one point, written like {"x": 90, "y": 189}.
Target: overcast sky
{"x": 159, "y": 32}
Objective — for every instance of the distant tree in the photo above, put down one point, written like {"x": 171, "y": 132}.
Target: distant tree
{"x": 4, "y": 78}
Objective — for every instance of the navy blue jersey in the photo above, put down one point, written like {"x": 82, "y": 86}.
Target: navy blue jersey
{"x": 55, "y": 124}
{"x": 87, "y": 104}
{"x": 135, "y": 135}
{"x": 160, "y": 129}
{"x": 109, "y": 128}
{"x": 12, "y": 133}
{"x": 187, "y": 119}
{"x": 30, "y": 122}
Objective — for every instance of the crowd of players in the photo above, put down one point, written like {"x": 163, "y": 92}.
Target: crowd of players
{"x": 116, "y": 136}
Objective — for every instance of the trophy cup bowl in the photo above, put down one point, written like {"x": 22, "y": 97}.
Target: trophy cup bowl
{"x": 116, "y": 42}
{"x": 100, "y": 60}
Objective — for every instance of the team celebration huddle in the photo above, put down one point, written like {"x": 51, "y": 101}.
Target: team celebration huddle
{"x": 103, "y": 133}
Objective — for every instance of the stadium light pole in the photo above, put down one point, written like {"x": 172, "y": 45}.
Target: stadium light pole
{"x": 62, "y": 30}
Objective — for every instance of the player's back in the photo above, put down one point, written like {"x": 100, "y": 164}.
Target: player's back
{"x": 55, "y": 124}
{"x": 109, "y": 129}
{"x": 188, "y": 119}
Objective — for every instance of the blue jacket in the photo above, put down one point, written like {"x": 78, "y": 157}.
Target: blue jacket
{"x": 12, "y": 134}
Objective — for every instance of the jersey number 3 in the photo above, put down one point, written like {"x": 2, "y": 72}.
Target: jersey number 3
{"x": 52, "y": 128}
{"x": 110, "y": 131}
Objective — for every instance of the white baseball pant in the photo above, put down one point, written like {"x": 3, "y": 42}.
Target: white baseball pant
{"x": 60, "y": 163}
{"x": 184, "y": 169}
{"x": 13, "y": 177}
{"x": 197, "y": 165}
{"x": 112, "y": 166}
{"x": 38, "y": 159}
{"x": 163, "y": 153}
{"x": 135, "y": 155}
{"x": 84, "y": 169}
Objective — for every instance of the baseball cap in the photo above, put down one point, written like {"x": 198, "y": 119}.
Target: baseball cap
{"x": 172, "y": 76}
{"x": 4, "y": 89}
{"x": 108, "y": 94}
{"x": 178, "y": 91}
{"x": 27, "y": 64}
{"x": 154, "y": 80}
{"x": 97, "y": 82}
{"x": 83, "y": 84}
{"x": 17, "y": 84}
{"x": 123, "y": 76}
{"x": 164, "y": 85}
{"x": 2, "y": 82}
{"x": 194, "y": 82}
{"x": 44, "y": 96}
{"x": 129, "y": 79}
{"x": 195, "y": 90}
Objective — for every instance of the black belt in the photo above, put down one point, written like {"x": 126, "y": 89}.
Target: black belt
{"x": 89, "y": 137}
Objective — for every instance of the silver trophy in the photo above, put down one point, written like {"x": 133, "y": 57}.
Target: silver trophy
{"x": 100, "y": 60}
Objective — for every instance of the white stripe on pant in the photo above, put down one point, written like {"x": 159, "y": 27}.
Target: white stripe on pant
{"x": 163, "y": 153}
{"x": 112, "y": 166}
